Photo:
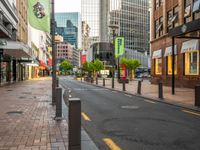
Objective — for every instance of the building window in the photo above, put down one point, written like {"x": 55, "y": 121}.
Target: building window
{"x": 158, "y": 66}
{"x": 196, "y": 9}
{"x": 187, "y": 14}
{"x": 169, "y": 65}
{"x": 175, "y": 16}
{"x": 192, "y": 63}
{"x": 159, "y": 27}
{"x": 158, "y": 3}
{"x": 169, "y": 18}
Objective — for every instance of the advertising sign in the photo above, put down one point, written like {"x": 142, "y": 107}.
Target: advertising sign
{"x": 119, "y": 46}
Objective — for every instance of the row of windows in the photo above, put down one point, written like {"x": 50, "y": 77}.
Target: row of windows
{"x": 191, "y": 64}
{"x": 192, "y": 12}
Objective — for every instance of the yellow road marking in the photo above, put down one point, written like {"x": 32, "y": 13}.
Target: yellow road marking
{"x": 148, "y": 101}
{"x": 111, "y": 144}
{"x": 190, "y": 112}
{"x": 85, "y": 117}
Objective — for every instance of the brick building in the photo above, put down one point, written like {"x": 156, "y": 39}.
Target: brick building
{"x": 175, "y": 34}
{"x": 64, "y": 51}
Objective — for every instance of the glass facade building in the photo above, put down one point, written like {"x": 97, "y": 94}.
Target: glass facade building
{"x": 68, "y": 25}
{"x": 132, "y": 16}
{"x": 90, "y": 14}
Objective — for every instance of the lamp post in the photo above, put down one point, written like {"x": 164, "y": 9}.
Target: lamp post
{"x": 113, "y": 28}
{"x": 53, "y": 55}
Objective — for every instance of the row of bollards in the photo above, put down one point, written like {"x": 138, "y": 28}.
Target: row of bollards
{"x": 160, "y": 89}
{"x": 74, "y": 117}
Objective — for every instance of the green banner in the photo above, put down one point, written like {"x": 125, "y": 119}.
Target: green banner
{"x": 39, "y": 14}
{"x": 119, "y": 46}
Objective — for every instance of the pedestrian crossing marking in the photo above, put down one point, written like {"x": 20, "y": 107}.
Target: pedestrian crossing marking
{"x": 111, "y": 144}
{"x": 85, "y": 117}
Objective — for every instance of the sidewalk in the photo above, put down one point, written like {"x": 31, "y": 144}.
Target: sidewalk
{"x": 27, "y": 118}
{"x": 183, "y": 96}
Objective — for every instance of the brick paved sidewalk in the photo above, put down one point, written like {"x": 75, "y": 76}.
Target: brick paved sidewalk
{"x": 183, "y": 96}
{"x": 27, "y": 118}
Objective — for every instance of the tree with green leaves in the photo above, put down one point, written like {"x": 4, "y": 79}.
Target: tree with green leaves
{"x": 98, "y": 65}
{"x": 123, "y": 61}
{"x": 132, "y": 64}
{"x": 65, "y": 66}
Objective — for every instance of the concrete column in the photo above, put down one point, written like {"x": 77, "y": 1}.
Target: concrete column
{"x": 104, "y": 19}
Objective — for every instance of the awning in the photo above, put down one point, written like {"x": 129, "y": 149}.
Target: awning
{"x": 157, "y": 54}
{"x": 189, "y": 46}
{"x": 16, "y": 49}
{"x": 168, "y": 50}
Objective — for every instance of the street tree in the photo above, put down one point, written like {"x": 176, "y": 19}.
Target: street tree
{"x": 132, "y": 64}
{"x": 98, "y": 65}
{"x": 65, "y": 66}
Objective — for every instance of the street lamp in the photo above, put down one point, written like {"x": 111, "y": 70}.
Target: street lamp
{"x": 113, "y": 27}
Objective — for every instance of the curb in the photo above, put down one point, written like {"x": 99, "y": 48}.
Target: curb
{"x": 165, "y": 101}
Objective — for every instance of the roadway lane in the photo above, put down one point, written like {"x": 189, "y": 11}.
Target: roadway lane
{"x": 123, "y": 122}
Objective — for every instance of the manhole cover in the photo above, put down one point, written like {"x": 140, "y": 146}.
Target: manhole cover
{"x": 129, "y": 107}
{"x": 15, "y": 113}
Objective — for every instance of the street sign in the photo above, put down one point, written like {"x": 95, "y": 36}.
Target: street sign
{"x": 119, "y": 46}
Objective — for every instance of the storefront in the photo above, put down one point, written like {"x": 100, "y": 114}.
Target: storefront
{"x": 181, "y": 53}
{"x": 12, "y": 62}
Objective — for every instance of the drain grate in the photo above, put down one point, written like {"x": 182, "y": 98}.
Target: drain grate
{"x": 15, "y": 113}
{"x": 9, "y": 90}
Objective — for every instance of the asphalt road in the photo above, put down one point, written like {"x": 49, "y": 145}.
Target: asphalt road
{"x": 116, "y": 121}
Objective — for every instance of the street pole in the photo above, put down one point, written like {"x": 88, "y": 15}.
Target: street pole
{"x": 173, "y": 61}
{"x": 53, "y": 55}
{"x": 113, "y": 67}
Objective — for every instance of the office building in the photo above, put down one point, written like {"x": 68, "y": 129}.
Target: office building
{"x": 68, "y": 25}
{"x": 90, "y": 14}
{"x": 131, "y": 17}
{"x": 175, "y": 33}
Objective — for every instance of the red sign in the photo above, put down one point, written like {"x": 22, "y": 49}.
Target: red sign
{"x": 83, "y": 59}
{"x": 123, "y": 72}
{"x": 49, "y": 62}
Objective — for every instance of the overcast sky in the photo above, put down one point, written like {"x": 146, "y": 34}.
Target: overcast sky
{"x": 68, "y": 5}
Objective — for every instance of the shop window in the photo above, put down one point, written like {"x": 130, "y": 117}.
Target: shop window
{"x": 192, "y": 63}
{"x": 169, "y": 65}
{"x": 158, "y": 66}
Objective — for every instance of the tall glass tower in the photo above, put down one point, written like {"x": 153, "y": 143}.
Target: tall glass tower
{"x": 69, "y": 26}
{"x": 90, "y": 14}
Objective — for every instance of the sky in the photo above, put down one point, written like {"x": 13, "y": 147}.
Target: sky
{"x": 67, "y": 5}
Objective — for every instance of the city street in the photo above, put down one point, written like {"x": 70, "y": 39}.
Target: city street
{"x": 118, "y": 121}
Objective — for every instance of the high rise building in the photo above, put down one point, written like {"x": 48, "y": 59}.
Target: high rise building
{"x": 175, "y": 29}
{"x": 90, "y": 14}
{"x": 68, "y": 25}
{"x": 132, "y": 17}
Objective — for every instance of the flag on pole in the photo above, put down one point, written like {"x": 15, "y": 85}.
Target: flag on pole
{"x": 39, "y": 14}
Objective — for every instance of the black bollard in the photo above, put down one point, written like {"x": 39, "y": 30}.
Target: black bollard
{"x": 160, "y": 90}
{"x": 74, "y": 124}
{"x": 139, "y": 87}
{"x": 124, "y": 85}
{"x": 103, "y": 81}
{"x": 96, "y": 80}
{"x": 58, "y": 103}
{"x": 197, "y": 96}
{"x": 57, "y": 82}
